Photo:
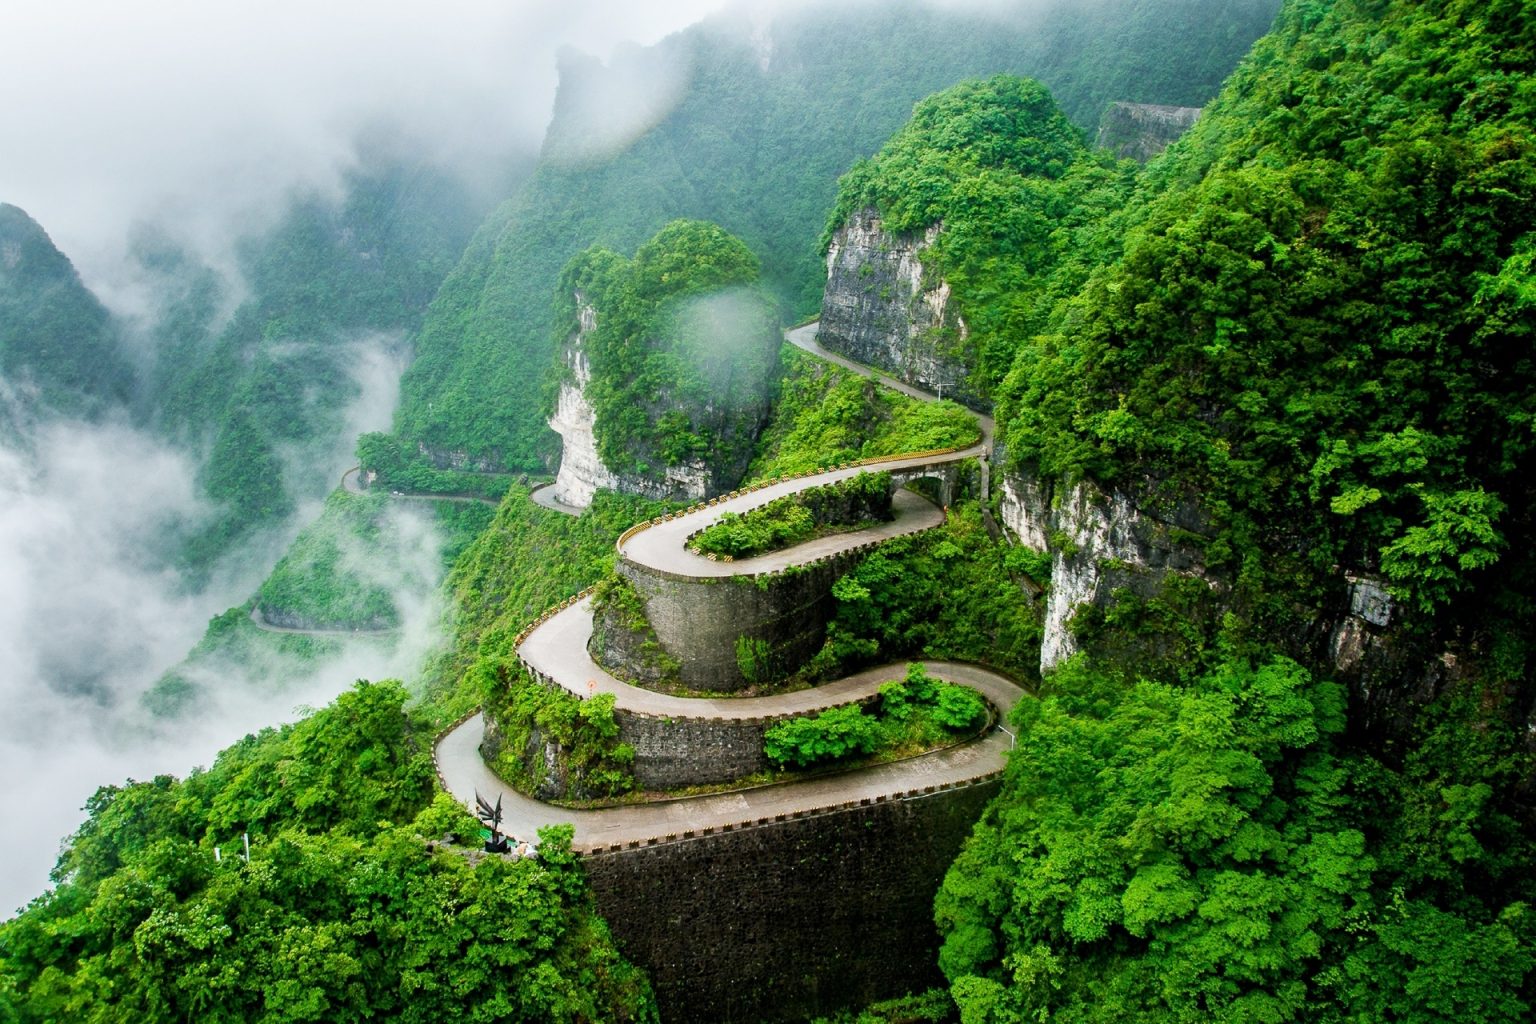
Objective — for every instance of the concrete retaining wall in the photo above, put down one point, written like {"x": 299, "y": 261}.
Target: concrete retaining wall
{"x": 699, "y": 620}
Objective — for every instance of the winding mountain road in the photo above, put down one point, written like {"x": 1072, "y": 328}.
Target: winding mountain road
{"x": 544, "y": 496}
{"x": 557, "y": 650}
{"x": 349, "y": 483}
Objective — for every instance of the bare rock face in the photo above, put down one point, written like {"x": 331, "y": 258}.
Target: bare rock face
{"x": 881, "y": 308}
{"x": 1104, "y": 546}
{"x": 1143, "y": 130}
{"x": 1100, "y": 543}
{"x": 582, "y": 470}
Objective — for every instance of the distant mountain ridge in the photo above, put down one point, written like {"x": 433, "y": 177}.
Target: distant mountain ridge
{"x": 59, "y": 347}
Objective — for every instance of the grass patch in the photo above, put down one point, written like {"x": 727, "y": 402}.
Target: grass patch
{"x": 851, "y": 504}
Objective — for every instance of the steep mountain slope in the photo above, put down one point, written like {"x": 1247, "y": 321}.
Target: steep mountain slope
{"x": 669, "y": 367}
{"x": 334, "y": 290}
{"x": 763, "y": 122}
{"x": 1313, "y": 350}
{"x": 58, "y": 345}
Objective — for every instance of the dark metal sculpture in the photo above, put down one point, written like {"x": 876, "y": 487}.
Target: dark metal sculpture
{"x": 491, "y": 818}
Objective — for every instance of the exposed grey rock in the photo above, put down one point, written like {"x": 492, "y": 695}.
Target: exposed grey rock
{"x": 1369, "y": 599}
{"x": 1100, "y": 542}
{"x": 582, "y": 470}
{"x": 1143, "y": 130}
{"x": 880, "y": 307}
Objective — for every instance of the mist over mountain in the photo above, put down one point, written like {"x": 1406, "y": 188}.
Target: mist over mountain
{"x": 1248, "y": 544}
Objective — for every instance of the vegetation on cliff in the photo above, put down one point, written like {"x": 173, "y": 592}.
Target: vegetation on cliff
{"x": 682, "y": 351}
{"x": 1018, "y": 195}
{"x": 851, "y": 504}
{"x": 344, "y": 569}
{"x": 826, "y": 415}
{"x": 1317, "y": 324}
{"x": 56, "y": 340}
{"x": 332, "y": 291}
{"x": 396, "y": 466}
{"x": 763, "y": 123}
{"x": 1310, "y": 322}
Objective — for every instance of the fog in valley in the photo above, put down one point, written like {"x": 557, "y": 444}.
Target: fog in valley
{"x": 198, "y": 125}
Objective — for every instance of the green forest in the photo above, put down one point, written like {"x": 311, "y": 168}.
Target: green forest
{"x": 1308, "y": 320}
{"x": 758, "y": 151}
{"x": 682, "y": 355}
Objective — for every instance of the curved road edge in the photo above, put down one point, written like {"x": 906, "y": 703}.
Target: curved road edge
{"x": 463, "y": 773}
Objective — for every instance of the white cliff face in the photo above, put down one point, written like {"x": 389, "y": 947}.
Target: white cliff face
{"x": 582, "y": 471}
{"x": 1087, "y": 531}
{"x": 878, "y": 308}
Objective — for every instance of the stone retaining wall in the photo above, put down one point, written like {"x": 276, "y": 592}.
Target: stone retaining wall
{"x": 699, "y": 620}
{"x": 790, "y": 918}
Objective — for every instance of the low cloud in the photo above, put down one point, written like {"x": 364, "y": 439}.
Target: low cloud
{"x": 91, "y": 618}
{"x": 202, "y": 118}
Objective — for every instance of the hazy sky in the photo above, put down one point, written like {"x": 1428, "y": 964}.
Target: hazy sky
{"x": 203, "y": 115}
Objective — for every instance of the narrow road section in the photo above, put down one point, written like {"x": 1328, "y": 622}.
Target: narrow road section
{"x": 557, "y": 651}
{"x": 350, "y": 482}
{"x": 260, "y": 622}
{"x": 464, "y": 773}
{"x": 544, "y": 497}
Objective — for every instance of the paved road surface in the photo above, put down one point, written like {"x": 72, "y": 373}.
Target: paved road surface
{"x": 261, "y": 623}
{"x": 544, "y": 496}
{"x": 558, "y": 650}
{"x": 662, "y": 546}
{"x": 349, "y": 482}
{"x": 464, "y": 773}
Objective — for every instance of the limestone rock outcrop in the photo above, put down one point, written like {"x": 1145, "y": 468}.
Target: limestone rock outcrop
{"x": 582, "y": 471}
{"x": 882, "y": 308}
{"x": 1100, "y": 543}
{"x": 1143, "y": 130}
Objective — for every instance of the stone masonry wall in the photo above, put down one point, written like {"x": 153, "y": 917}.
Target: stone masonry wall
{"x": 849, "y": 919}
{"x": 675, "y": 752}
{"x": 670, "y": 752}
{"x": 698, "y": 621}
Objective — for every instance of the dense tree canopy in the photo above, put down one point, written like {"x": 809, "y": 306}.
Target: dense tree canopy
{"x": 1207, "y": 852}
{"x": 1019, "y": 199}
{"x": 342, "y": 912}
{"x": 763, "y": 124}
{"x": 683, "y": 355}
{"x": 1318, "y": 322}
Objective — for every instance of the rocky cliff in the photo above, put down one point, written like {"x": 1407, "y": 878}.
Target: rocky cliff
{"x": 1143, "y": 130}
{"x": 880, "y": 307}
{"x": 1102, "y": 546}
{"x": 582, "y": 470}
{"x": 1113, "y": 559}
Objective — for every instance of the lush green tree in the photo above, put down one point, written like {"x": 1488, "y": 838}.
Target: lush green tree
{"x": 755, "y": 144}
{"x": 1018, "y": 196}
{"x": 682, "y": 354}
{"x": 1208, "y": 852}
{"x": 55, "y": 336}
{"x": 350, "y": 907}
